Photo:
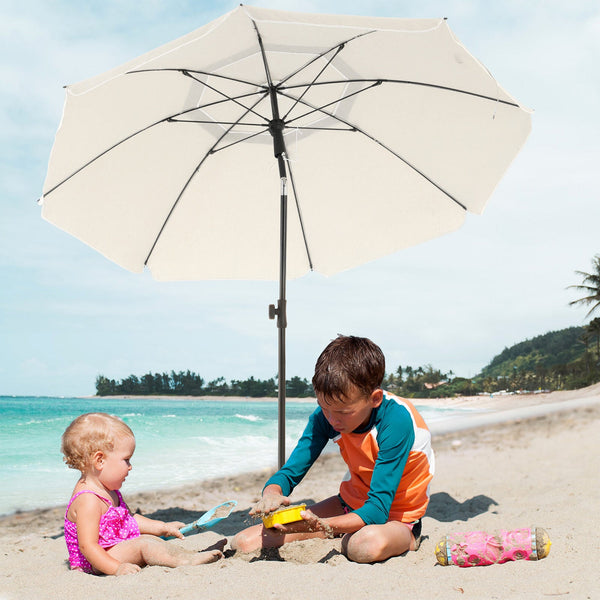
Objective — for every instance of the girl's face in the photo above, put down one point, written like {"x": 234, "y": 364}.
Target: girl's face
{"x": 115, "y": 465}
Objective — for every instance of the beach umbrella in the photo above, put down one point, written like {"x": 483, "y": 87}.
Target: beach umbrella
{"x": 382, "y": 132}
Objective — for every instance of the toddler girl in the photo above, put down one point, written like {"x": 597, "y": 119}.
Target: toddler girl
{"x": 101, "y": 533}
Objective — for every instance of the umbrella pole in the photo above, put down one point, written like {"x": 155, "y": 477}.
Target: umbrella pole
{"x": 281, "y": 312}
{"x": 276, "y": 126}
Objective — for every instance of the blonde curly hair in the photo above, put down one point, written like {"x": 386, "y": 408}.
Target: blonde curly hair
{"x": 89, "y": 433}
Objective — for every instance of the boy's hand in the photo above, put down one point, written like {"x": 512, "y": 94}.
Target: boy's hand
{"x": 316, "y": 523}
{"x": 309, "y": 523}
{"x": 272, "y": 499}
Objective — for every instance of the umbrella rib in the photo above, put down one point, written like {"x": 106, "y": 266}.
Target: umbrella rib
{"x": 223, "y": 100}
{"x": 406, "y": 82}
{"x": 309, "y": 128}
{"x": 337, "y": 51}
{"x": 289, "y": 168}
{"x": 171, "y": 118}
{"x": 213, "y": 122}
{"x": 265, "y": 129}
{"x": 232, "y": 98}
{"x": 106, "y": 151}
{"x": 190, "y": 72}
{"x": 374, "y": 139}
{"x": 214, "y": 150}
{"x": 339, "y": 47}
{"x": 299, "y": 100}
{"x": 195, "y": 71}
{"x": 187, "y": 183}
{"x": 263, "y": 55}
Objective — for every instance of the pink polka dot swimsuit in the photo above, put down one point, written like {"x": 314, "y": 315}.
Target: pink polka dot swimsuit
{"x": 116, "y": 525}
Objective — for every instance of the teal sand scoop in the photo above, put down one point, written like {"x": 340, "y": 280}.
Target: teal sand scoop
{"x": 210, "y": 518}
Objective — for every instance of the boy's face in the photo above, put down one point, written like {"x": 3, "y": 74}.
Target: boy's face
{"x": 351, "y": 412}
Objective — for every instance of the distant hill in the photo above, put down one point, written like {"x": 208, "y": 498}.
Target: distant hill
{"x": 547, "y": 350}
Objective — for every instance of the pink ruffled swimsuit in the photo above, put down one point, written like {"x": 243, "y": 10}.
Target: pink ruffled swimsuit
{"x": 116, "y": 525}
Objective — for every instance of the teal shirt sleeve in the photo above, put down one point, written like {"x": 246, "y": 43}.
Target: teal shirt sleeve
{"x": 316, "y": 435}
{"x": 395, "y": 438}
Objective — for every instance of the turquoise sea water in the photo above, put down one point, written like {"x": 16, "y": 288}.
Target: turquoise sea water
{"x": 178, "y": 441}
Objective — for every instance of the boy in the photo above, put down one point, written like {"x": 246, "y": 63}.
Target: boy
{"x": 387, "y": 447}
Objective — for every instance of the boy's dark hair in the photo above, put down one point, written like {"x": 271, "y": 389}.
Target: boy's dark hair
{"x": 346, "y": 361}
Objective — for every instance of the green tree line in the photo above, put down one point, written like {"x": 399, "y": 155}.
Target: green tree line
{"x": 558, "y": 360}
{"x": 187, "y": 383}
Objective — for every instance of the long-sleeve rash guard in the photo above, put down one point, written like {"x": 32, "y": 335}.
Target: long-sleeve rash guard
{"x": 390, "y": 462}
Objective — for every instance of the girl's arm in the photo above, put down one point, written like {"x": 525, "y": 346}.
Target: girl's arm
{"x": 88, "y": 512}
{"x": 154, "y": 527}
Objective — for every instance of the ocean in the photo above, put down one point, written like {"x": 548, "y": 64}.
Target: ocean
{"x": 177, "y": 442}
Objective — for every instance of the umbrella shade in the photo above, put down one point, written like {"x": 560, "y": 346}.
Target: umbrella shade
{"x": 388, "y": 131}
{"x": 392, "y": 130}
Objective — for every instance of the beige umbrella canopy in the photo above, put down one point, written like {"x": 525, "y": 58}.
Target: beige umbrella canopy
{"x": 383, "y": 133}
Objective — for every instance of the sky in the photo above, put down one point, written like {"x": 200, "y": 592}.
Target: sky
{"x": 67, "y": 314}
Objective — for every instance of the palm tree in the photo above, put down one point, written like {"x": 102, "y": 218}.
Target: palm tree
{"x": 593, "y": 329}
{"x": 590, "y": 286}
{"x": 585, "y": 339}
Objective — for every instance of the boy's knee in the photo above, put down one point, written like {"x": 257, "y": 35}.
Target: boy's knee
{"x": 364, "y": 546}
{"x": 244, "y": 541}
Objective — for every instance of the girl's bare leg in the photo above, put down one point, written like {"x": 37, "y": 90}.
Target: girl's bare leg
{"x": 258, "y": 536}
{"x": 151, "y": 550}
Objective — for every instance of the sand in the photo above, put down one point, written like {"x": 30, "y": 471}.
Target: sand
{"x": 527, "y": 461}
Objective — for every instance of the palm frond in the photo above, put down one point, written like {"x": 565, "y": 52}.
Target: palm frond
{"x": 590, "y": 285}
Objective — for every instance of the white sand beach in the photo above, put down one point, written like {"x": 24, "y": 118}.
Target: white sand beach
{"x": 525, "y": 461}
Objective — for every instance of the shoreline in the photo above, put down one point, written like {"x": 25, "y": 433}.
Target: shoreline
{"x": 488, "y": 412}
{"x": 482, "y": 401}
{"x": 199, "y": 398}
